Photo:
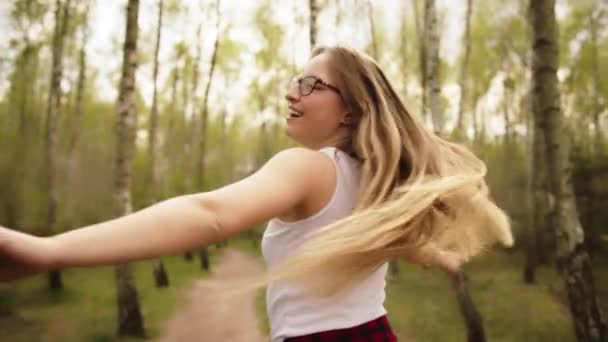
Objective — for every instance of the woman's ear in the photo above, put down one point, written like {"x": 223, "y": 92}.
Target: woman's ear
{"x": 347, "y": 119}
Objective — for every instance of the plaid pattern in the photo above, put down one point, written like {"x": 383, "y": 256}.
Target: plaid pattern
{"x": 377, "y": 330}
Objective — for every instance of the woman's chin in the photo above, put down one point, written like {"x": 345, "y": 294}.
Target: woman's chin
{"x": 293, "y": 134}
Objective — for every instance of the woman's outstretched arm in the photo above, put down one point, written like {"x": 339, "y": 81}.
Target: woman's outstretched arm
{"x": 176, "y": 225}
{"x": 169, "y": 227}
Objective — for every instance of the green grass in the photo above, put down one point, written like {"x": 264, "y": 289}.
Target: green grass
{"x": 421, "y": 304}
{"x": 86, "y": 309}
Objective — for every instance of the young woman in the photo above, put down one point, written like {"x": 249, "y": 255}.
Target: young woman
{"x": 369, "y": 184}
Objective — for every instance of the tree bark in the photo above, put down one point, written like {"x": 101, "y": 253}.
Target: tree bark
{"x": 130, "y": 320}
{"x": 203, "y": 253}
{"x": 433, "y": 87}
{"x": 161, "y": 277}
{"x": 507, "y": 103}
{"x": 539, "y": 205}
{"x": 422, "y": 62}
{"x": 80, "y": 85}
{"x": 542, "y": 196}
{"x": 372, "y": 30}
{"x": 62, "y": 16}
{"x": 472, "y": 317}
{"x": 153, "y": 129}
{"x": 573, "y": 261}
{"x": 460, "y": 124}
{"x": 192, "y": 141}
{"x": 597, "y": 110}
{"x": 314, "y": 12}
{"x": 403, "y": 40}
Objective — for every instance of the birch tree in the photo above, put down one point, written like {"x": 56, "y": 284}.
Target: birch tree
{"x": 130, "y": 320}
{"x": 433, "y": 86}
{"x": 313, "y": 7}
{"x": 62, "y": 16}
{"x": 203, "y": 253}
{"x": 460, "y": 124}
{"x": 572, "y": 258}
{"x": 161, "y": 278}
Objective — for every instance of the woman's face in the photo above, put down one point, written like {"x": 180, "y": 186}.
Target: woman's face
{"x": 316, "y": 120}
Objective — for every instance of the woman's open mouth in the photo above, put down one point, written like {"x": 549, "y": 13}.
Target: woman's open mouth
{"x": 295, "y": 114}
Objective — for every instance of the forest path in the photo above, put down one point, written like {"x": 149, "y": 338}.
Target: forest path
{"x": 210, "y": 314}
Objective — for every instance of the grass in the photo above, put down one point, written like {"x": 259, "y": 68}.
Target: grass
{"x": 86, "y": 309}
{"x": 421, "y": 304}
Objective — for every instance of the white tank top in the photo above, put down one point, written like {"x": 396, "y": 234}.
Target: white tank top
{"x": 290, "y": 311}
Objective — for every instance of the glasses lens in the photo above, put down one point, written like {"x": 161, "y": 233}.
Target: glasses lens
{"x": 306, "y": 85}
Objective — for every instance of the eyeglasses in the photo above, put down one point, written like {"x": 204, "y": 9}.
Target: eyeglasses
{"x": 307, "y": 84}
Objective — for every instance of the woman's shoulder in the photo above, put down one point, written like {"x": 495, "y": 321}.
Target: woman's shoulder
{"x": 305, "y": 165}
{"x": 302, "y": 158}
{"x": 316, "y": 175}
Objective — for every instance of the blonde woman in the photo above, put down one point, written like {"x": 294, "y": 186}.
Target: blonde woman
{"x": 370, "y": 184}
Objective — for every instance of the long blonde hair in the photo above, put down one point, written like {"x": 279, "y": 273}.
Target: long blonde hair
{"x": 416, "y": 188}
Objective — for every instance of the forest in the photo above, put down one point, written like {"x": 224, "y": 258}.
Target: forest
{"x": 108, "y": 107}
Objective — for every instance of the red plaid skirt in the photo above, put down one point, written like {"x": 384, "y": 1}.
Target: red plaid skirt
{"x": 377, "y": 330}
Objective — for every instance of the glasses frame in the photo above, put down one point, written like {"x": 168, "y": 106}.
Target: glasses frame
{"x": 312, "y": 89}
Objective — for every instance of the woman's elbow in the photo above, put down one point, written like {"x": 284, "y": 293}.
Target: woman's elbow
{"x": 208, "y": 213}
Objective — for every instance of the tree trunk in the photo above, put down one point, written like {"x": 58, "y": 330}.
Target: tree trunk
{"x": 168, "y": 147}
{"x": 433, "y": 87}
{"x": 372, "y": 30}
{"x": 597, "y": 110}
{"x": 80, "y": 86}
{"x": 475, "y": 113}
{"x": 62, "y": 16}
{"x": 598, "y": 143}
{"x": 130, "y": 320}
{"x": 507, "y": 103}
{"x": 161, "y": 278}
{"x": 534, "y": 247}
{"x": 314, "y": 12}
{"x": 460, "y": 125}
{"x": 153, "y": 129}
{"x": 471, "y": 315}
{"x": 422, "y": 62}
{"x": 403, "y": 40}
{"x": 192, "y": 137}
{"x": 573, "y": 261}
{"x": 203, "y": 253}
{"x": 542, "y": 197}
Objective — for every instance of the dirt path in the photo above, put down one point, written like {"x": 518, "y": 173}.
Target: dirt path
{"x": 210, "y": 314}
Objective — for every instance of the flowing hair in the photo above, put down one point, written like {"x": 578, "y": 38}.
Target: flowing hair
{"x": 416, "y": 188}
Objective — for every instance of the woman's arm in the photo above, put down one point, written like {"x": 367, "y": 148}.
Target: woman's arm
{"x": 175, "y": 225}
{"x": 169, "y": 227}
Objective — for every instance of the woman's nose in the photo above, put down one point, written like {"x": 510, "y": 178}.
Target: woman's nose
{"x": 292, "y": 92}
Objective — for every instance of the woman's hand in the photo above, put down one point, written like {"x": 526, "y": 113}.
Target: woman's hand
{"x": 22, "y": 254}
{"x": 450, "y": 262}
